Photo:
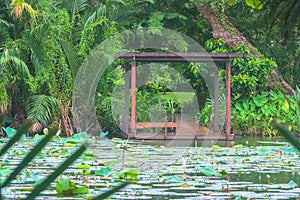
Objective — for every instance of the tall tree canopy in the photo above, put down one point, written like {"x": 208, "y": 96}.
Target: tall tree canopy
{"x": 43, "y": 43}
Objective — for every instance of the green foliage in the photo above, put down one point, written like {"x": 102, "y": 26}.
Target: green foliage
{"x": 40, "y": 187}
{"x": 156, "y": 20}
{"x": 22, "y": 130}
{"x": 215, "y": 45}
{"x": 284, "y": 12}
{"x": 104, "y": 171}
{"x": 111, "y": 79}
{"x": 207, "y": 171}
{"x": 29, "y": 156}
{"x": 205, "y": 116}
{"x": 255, "y": 114}
{"x": 130, "y": 176}
{"x": 42, "y": 50}
{"x": 297, "y": 99}
{"x": 273, "y": 31}
{"x": 65, "y": 187}
{"x": 10, "y": 132}
{"x": 283, "y": 130}
{"x": 90, "y": 35}
{"x": 256, "y": 4}
{"x": 249, "y": 75}
{"x": 154, "y": 105}
{"x": 41, "y": 108}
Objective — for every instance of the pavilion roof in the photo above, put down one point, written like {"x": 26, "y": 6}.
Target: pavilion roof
{"x": 178, "y": 56}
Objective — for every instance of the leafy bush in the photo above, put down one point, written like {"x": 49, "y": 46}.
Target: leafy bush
{"x": 111, "y": 78}
{"x": 255, "y": 114}
{"x": 249, "y": 75}
{"x": 206, "y": 116}
{"x": 155, "y": 106}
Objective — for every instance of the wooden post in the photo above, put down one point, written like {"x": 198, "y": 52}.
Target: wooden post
{"x": 127, "y": 87}
{"x": 228, "y": 91}
{"x": 216, "y": 102}
{"x": 133, "y": 96}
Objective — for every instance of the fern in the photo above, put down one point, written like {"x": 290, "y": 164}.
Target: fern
{"x": 34, "y": 40}
{"x": 41, "y": 108}
{"x": 14, "y": 63}
{"x": 71, "y": 55}
{"x": 100, "y": 12}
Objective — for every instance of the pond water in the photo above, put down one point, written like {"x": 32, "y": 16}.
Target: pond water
{"x": 253, "y": 168}
{"x": 247, "y": 141}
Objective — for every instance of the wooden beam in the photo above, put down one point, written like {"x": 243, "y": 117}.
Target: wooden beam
{"x": 133, "y": 96}
{"x": 178, "y": 56}
{"x": 127, "y": 87}
{"x": 228, "y": 93}
{"x": 216, "y": 101}
{"x": 157, "y": 125}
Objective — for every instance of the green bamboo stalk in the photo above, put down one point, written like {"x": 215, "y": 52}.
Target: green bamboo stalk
{"x": 112, "y": 191}
{"x": 29, "y": 157}
{"x": 287, "y": 134}
{"x": 39, "y": 188}
{"x": 24, "y": 129}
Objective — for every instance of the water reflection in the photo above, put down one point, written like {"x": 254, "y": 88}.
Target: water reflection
{"x": 246, "y": 141}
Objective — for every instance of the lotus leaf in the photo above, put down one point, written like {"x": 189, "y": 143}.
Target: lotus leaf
{"x": 207, "y": 171}
{"x": 4, "y": 172}
{"x": 103, "y": 134}
{"x": 83, "y": 166}
{"x": 104, "y": 171}
{"x": 69, "y": 145}
{"x": 10, "y": 132}
{"x": 216, "y": 147}
{"x": 174, "y": 179}
{"x": 82, "y": 135}
{"x": 129, "y": 175}
{"x": 65, "y": 187}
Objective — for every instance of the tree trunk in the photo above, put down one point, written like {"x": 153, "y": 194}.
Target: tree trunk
{"x": 236, "y": 38}
{"x": 66, "y": 121}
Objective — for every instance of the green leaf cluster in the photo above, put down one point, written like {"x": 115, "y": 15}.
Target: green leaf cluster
{"x": 256, "y": 4}
{"x": 65, "y": 187}
{"x": 255, "y": 114}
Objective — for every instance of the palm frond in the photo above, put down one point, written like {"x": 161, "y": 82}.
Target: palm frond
{"x": 19, "y": 6}
{"x": 80, "y": 5}
{"x": 6, "y": 23}
{"x": 15, "y": 63}
{"x": 101, "y": 11}
{"x": 287, "y": 11}
{"x": 36, "y": 47}
{"x": 41, "y": 108}
{"x": 71, "y": 55}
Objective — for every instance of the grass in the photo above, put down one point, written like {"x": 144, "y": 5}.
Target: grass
{"x": 182, "y": 97}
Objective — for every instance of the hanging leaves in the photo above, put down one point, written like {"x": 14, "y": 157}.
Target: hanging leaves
{"x": 19, "y": 6}
{"x": 256, "y": 4}
{"x": 40, "y": 108}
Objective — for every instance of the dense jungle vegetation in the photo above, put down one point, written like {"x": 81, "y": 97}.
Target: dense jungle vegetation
{"x": 43, "y": 44}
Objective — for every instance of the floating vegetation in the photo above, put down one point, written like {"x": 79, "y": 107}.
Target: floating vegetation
{"x": 262, "y": 171}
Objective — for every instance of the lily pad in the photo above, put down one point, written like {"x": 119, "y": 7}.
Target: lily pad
{"x": 207, "y": 171}
{"x": 104, "y": 171}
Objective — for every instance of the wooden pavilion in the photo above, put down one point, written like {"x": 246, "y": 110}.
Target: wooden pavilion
{"x": 148, "y": 57}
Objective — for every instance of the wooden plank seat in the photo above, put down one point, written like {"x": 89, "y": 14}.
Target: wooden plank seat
{"x": 140, "y": 125}
{"x": 153, "y": 125}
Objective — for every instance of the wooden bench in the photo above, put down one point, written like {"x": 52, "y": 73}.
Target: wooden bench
{"x": 140, "y": 125}
{"x": 173, "y": 125}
